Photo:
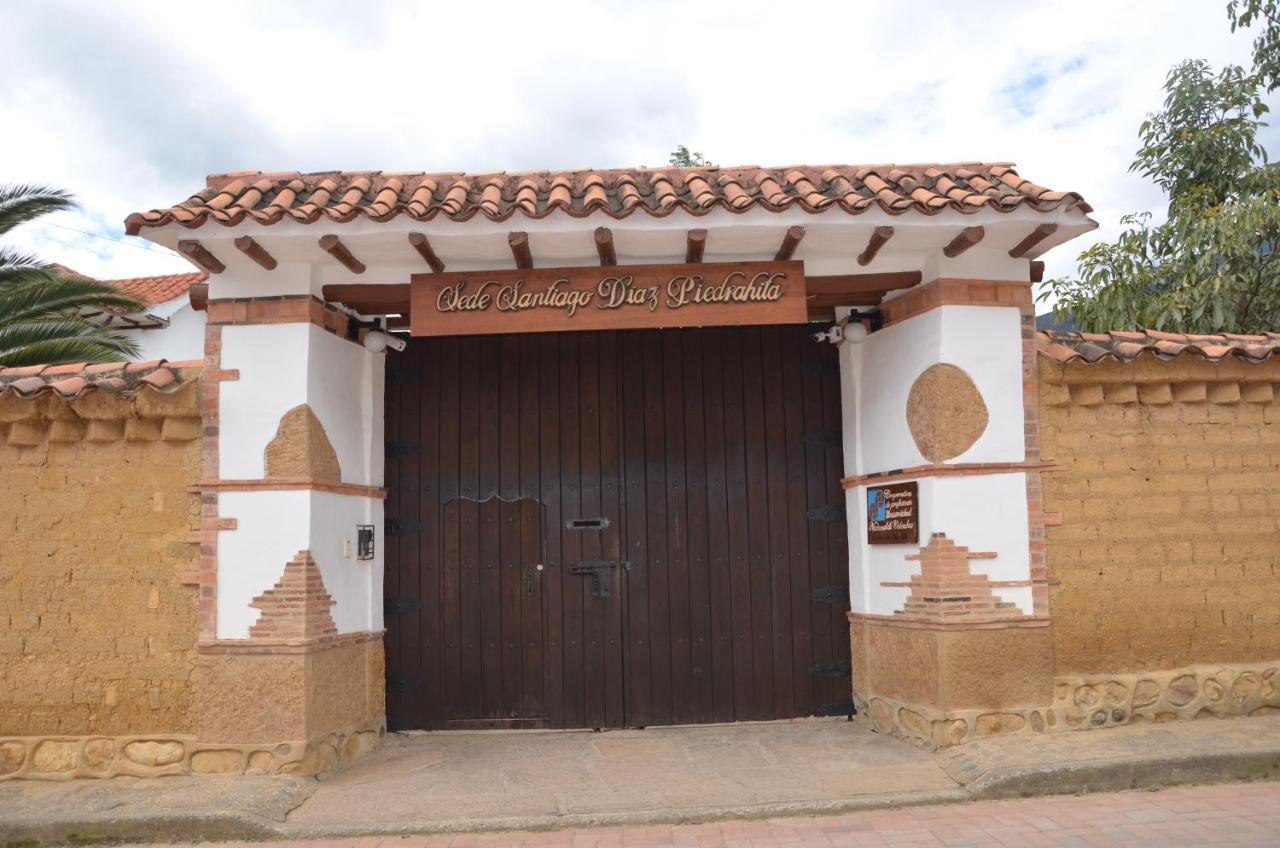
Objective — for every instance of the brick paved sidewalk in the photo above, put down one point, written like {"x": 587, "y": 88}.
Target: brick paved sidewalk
{"x": 1229, "y": 815}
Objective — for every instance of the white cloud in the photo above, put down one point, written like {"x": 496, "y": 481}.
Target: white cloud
{"x": 130, "y": 104}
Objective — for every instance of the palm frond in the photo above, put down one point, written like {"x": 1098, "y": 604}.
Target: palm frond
{"x": 60, "y": 296}
{"x": 52, "y": 342}
{"x": 23, "y": 203}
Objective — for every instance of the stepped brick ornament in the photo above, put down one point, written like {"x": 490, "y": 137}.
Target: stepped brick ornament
{"x": 297, "y": 607}
{"x": 945, "y": 412}
{"x": 946, "y": 591}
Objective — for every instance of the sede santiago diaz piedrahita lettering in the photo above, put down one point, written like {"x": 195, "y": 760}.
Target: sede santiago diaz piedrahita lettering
{"x": 614, "y": 292}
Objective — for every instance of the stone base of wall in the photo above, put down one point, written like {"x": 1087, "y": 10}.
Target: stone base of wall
{"x": 67, "y": 757}
{"x": 1086, "y": 702}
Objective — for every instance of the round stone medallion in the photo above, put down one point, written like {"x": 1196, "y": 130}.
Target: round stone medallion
{"x": 945, "y": 412}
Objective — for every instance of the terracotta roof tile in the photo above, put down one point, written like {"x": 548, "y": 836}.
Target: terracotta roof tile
{"x": 267, "y": 198}
{"x": 159, "y": 289}
{"x": 70, "y": 381}
{"x": 1125, "y": 346}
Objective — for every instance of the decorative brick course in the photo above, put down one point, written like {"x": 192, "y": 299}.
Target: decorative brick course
{"x": 946, "y": 590}
{"x": 297, "y": 607}
{"x": 946, "y": 291}
{"x": 279, "y": 309}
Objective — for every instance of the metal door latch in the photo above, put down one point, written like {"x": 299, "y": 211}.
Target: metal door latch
{"x": 601, "y": 572}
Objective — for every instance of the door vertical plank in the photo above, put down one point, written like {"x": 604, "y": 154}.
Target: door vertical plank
{"x": 677, "y": 522}
{"x": 820, "y": 575}
{"x": 837, "y": 532}
{"x": 758, "y": 528}
{"x": 430, "y": 618}
{"x": 570, "y": 508}
{"x": 639, "y": 692}
{"x": 549, "y": 471}
{"x": 699, "y": 598}
{"x": 656, "y": 509}
{"x": 591, "y": 541}
{"x": 775, "y": 429}
{"x": 490, "y": 602}
{"x": 471, "y": 598}
{"x": 720, "y": 582}
{"x": 611, "y": 547}
{"x": 510, "y": 639}
{"x": 449, "y": 546}
{"x": 735, "y": 450}
{"x": 793, "y": 341}
{"x": 531, "y": 530}
{"x": 395, "y": 564}
{"x": 412, "y": 581}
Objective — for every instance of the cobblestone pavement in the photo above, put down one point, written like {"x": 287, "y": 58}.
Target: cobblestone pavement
{"x": 1231, "y": 814}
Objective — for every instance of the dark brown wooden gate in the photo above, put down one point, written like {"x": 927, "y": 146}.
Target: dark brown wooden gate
{"x": 615, "y": 529}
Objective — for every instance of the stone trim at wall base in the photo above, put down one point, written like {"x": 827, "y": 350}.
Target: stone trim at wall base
{"x": 164, "y": 754}
{"x": 1087, "y": 702}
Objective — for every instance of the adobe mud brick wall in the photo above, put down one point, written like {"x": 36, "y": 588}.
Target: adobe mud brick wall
{"x": 1168, "y": 553}
{"x": 97, "y": 633}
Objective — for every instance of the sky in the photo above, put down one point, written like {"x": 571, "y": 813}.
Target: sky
{"x": 131, "y": 104}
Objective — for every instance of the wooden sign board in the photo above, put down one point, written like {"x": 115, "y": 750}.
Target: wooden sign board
{"x": 893, "y": 514}
{"x": 615, "y": 297}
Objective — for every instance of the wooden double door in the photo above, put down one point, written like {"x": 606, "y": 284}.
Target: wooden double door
{"x": 615, "y": 529}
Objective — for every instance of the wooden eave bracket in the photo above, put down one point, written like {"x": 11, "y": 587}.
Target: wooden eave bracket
{"x": 967, "y": 238}
{"x": 519, "y": 243}
{"x": 1039, "y": 234}
{"x": 199, "y": 254}
{"x": 333, "y": 245}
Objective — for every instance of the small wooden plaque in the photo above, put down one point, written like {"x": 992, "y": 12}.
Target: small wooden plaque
{"x": 607, "y": 298}
{"x": 893, "y": 514}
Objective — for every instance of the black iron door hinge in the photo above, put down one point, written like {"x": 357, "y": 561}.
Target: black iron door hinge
{"x": 828, "y": 513}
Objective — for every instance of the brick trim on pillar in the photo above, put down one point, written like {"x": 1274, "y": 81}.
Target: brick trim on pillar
{"x": 279, "y": 309}
{"x": 947, "y": 291}
{"x": 1036, "y": 518}
{"x": 211, "y": 378}
{"x": 297, "y": 607}
{"x": 947, "y": 591}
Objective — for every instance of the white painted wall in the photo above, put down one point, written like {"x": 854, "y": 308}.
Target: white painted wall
{"x": 182, "y": 339}
{"x": 984, "y": 341}
{"x": 284, "y": 365}
{"x": 271, "y": 527}
{"x": 984, "y": 513}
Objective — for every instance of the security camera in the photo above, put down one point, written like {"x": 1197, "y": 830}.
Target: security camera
{"x": 834, "y": 335}
{"x": 396, "y": 343}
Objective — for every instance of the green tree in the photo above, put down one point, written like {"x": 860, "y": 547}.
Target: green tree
{"x": 42, "y": 308}
{"x": 1213, "y": 264}
{"x": 683, "y": 157}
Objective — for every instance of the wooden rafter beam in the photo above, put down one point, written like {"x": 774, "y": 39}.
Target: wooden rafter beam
{"x": 968, "y": 237}
{"x": 1039, "y": 234}
{"x": 604, "y": 246}
{"x": 790, "y": 242}
{"x": 333, "y": 246}
{"x": 199, "y": 254}
{"x": 695, "y": 245}
{"x": 519, "y": 242}
{"x": 850, "y": 284}
{"x": 370, "y": 299}
{"x": 250, "y": 248}
{"x": 828, "y": 300}
{"x": 1037, "y": 271}
{"x": 198, "y": 294}
{"x": 879, "y": 238}
{"x": 420, "y": 243}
